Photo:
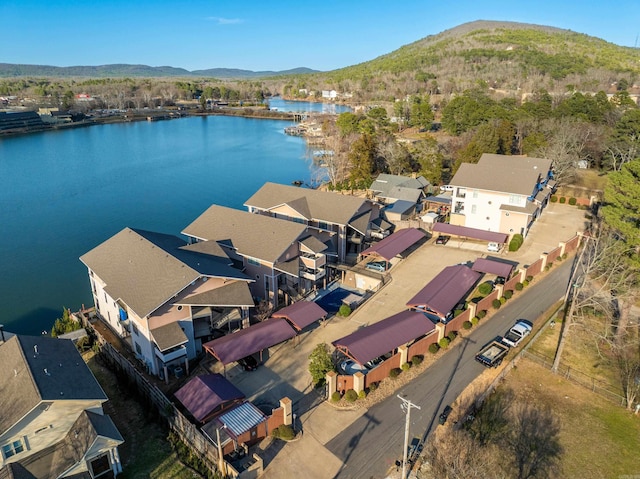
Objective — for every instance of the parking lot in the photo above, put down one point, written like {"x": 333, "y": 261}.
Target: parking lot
{"x": 284, "y": 372}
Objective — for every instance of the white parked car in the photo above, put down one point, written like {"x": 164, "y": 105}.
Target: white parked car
{"x": 493, "y": 247}
{"x": 517, "y": 333}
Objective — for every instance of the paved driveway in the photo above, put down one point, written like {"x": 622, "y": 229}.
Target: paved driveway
{"x": 285, "y": 374}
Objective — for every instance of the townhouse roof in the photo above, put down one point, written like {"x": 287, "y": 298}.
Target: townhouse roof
{"x": 314, "y": 244}
{"x": 443, "y": 292}
{"x": 395, "y": 243}
{"x": 502, "y": 173}
{"x": 301, "y": 314}
{"x": 169, "y": 336}
{"x": 249, "y": 234}
{"x": 236, "y": 293}
{"x": 145, "y": 269}
{"x": 202, "y": 395}
{"x": 528, "y": 209}
{"x": 38, "y": 368}
{"x": 385, "y": 182}
{"x": 311, "y": 204}
{"x": 361, "y": 222}
{"x": 384, "y": 336}
{"x": 90, "y": 432}
{"x": 400, "y": 207}
{"x": 250, "y": 340}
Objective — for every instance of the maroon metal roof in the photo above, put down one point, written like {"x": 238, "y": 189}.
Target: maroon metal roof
{"x": 473, "y": 233}
{"x": 248, "y": 341}
{"x": 384, "y": 336}
{"x": 395, "y": 244}
{"x": 204, "y": 394}
{"x": 488, "y": 265}
{"x": 301, "y": 314}
{"x": 444, "y": 291}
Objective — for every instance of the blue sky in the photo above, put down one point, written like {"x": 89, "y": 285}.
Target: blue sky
{"x": 269, "y": 35}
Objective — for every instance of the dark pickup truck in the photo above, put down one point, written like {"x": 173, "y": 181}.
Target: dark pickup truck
{"x": 493, "y": 353}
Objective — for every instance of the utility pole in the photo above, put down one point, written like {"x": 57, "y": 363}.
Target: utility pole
{"x": 406, "y": 406}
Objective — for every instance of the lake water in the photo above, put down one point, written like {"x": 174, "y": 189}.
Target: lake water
{"x": 63, "y": 193}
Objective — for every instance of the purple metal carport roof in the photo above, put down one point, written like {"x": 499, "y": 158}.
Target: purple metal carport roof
{"x": 487, "y": 265}
{"x": 384, "y": 336}
{"x": 248, "y": 341}
{"x": 473, "y": 233}
{"x": 444, "y": 291}
{"x": 301, "y": 314}
{"x": 204, "y": 394}
{"x": 395, "y": 244}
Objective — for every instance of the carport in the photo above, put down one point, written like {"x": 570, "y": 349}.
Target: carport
{"x": 394, "y": 244}
{"x": 207, "y": 395}
{"x": 301, "y": 314}
{"x": 490, "y": 266}
{"x": 470, "y": 233}
{"x": 445, "y": 291}
{"x": 384, "y": 336}
{"x": 251, "y": 340}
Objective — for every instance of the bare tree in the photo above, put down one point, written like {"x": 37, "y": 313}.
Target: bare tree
{"x": 335, "y": 159}
{"x": 534, "y": 442}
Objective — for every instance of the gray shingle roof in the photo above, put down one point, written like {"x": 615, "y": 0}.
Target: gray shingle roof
{"x": 312, "y": 204}
{"x": 253, "y": 235}
{"x": 502, "y": 173}
{"x": 232, "y": 294}
{"x": 169, "y": 336}
{"x": 145, "y": 269}
{"x": 55, "y": 372}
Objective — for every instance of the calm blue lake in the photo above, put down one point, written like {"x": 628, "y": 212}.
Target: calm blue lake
{"x": 63, "y": 193}
{"x": 277, "y": 103}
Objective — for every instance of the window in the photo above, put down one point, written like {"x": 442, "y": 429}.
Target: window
{"x": 135, "y": 329}
{"x": 514, "y": 199}
{"x": 13, "y": 448}
{"x": 507, "y": 213}
{"x": 179, "y": 307}
{"x": 473, "y": 209}
{"x": 475, "y": 193}
{"x": 253, "y": 261}
{"x": 298, "y": 220}
{"x": 323, "y": 226}
{"x": 138, "y": 349}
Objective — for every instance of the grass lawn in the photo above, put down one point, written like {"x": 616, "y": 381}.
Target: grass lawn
{"x": 600, "y": 440}
{"x": 146, "y": 453}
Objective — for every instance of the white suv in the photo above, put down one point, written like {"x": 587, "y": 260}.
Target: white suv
{"x": 494, "y": 247}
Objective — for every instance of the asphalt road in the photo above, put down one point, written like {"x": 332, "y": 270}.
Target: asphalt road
{"x": 374, "y": 442}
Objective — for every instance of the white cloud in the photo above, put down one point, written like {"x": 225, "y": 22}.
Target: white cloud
{"x": 225, "y": 21}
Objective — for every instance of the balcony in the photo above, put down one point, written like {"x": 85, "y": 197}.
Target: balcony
{"x": 172, "y": 354}
{"x": 313, "y": 275}
{"x": 310, "y": 261}
{"x": 461, "y": 193}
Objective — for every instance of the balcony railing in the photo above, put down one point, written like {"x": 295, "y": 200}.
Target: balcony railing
{"x": 174, "y": 353}
{"x": 313, "y": 275}
{"x": 312, "y": 261}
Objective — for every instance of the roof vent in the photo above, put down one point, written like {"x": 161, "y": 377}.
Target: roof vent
{"x": 35, "y": 348}
{"x": 46, "y": 371}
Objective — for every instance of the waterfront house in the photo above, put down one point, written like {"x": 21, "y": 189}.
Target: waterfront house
{"x": 501, "y": 193}
{"x": 344, "y": 221}
{"x": 166, "y": 297}
{"x": 388, "y": 189}
{"x": 52, "y": 423}
{"x": 285, "y": 259}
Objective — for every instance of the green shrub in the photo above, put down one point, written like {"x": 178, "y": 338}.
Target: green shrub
{"x": 516, "y": 242}
{"x": 284, "y": 431}
{"x": 529, "y": 278}
{"x": 351, "y": 395}
{"x": 503, "y": 300}
{"x": 508, "y": 294}
{"x": 467, "y": 325}
{"x": 416, "y": 360}
{"x": 554, "y": 199}
{"x": 481, "y": 314}
{"x": 406, "y": 366}
{"x": 394, "y": 373}
{"x": 572, "y": 201}
{"x": 485, "y": 288}
{"x": 344, "y": 310}
{"x": 525, "y": 283}
{"x": 434, "y": 348}
{"x": 458, "y": 312}
{"x": 336, "y": 396}
{"x": 496, "y": 304}
{"x": 564, "y": 256}
{"x": 362, "y": 394}
{"x": 563, "y": 200}
{"x": 373, "y": 387}
{"x": 519, "y": 286}
{"x": 474, "y": 320}
{"x": 452, "y": 335}
{"x": 444, "y": 342}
